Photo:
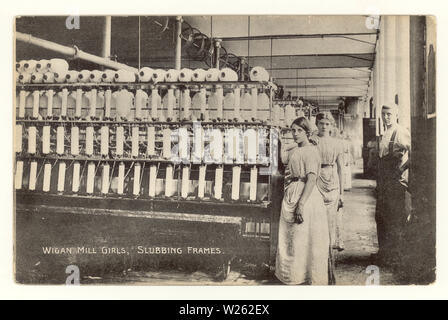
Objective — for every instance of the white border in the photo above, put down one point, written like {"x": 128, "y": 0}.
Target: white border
{"x": 10, "y": 290}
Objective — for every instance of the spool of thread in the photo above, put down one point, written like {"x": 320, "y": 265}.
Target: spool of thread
{"x": 72, "y": 76}
{"x": 96, "y": 76}
{"x": 124, "y": 76}
{"x": 107, "y": 103}
{"x": 184, "y": 147}
{"x": 170, "y": 100}
{"x": 217, "y": 145}
{"x": 228, "y": 74}
{"x": 58, "y": 65}
{"x": 24, "y": 78}
{"x": 137, "y": 170}
{"x": 186, "y": 104}
{"x": 254, "y": 103}
{"x": 74, "y": 144}
{"x": 253, "y": 184}
{"x": 141, "y": 98}
{"x": 290, "y": 115}
{"x": 22, "y": 100}
{"x": 250, "y": 144}
{"x": 60, "y": 77}
{"x": 84, "y": 76}
{"x": 36, "y": 100}
{"x": 135, "y": 141}
{"x": 155, "y": 98}
{"x": 32, "y": 132}
{"x": 120, "y": 186}
{"x": 236, "y": 179}
{"x": 50, "y": 94}
{"x": 124, "y": 101}
{"x": 145, "y": 74}
{"x": 48, "y": 77}
{"x": 198, "y": 144}
{"x": 37, "y": 77}
{"x": 78, "y": 106}
{"x": 119, "y": 141}
{"x": 42, "y": 66}
{"x": 212, "y": 74}
{"x": 158, "y": 75}
{"x": 20, "y": 66}
{"x": 166, "y": 143}
{"x": 282, "y": 117}
{"x": 169, "y": 188}
{"x": 47, "y": 177}
{"x": 104, "y": 140}
{"x": 199, "y": 75}
{"x": 185, "y": 182}
{"x": 19, "y": 175}
{"x": 263, "y": 103}
{"x": 46, "y": 139}
{"x": 92, "y": 99}
{"x": 201, "y": 182}
{"x": 185, "y": 75}
{"x": 89, "y": 141}
{"x": 29, "y": 66}
{"x": 218, "y": 182}
{"x": 108, "y": 76}
{"x": 61, "y": 176}
{"x": 151, "y": 138}
{"x": 219, "y": 102}
{"x": 64, "y": 102}
{"x": 105, "y": 179}
{"x": 60, "y": 140}
{"x": 90, "y": 177}
{"x": 18, "y": 138}
{"x": 276, "y": 115}
{"x": 152, "y": 180}
{"x": 172, "y": 75}
{"x": 245, "y": 105}
{"x": 76, "y": 173}
{"x": 204, "y": 111}
{"x": 33, "y": 176}
{"x": 259, "y": 74}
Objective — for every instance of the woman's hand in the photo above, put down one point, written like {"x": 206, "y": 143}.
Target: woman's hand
{"x": 298, "y": 218}
{"x": 340, "y": 202}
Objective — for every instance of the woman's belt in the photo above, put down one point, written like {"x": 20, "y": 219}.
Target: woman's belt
{"x": 326, "y": 165}
{"x": 293, "y": 179}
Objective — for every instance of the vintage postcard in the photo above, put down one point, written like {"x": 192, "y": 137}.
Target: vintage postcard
{"x": 247, "y": 150}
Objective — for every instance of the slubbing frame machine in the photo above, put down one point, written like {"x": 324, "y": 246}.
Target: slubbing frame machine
{"x": 198, "y": 151}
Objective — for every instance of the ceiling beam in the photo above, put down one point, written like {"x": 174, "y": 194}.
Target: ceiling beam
{"x": 298, "y": 36}
{"x": 306, "y": 68}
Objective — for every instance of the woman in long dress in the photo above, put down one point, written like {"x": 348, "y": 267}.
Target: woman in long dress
{"x": 331, "y": 180}
{"x": 303, "y": 242}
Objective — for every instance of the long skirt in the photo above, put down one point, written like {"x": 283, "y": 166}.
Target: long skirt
{"x": 347, "y": 176}
{"x": 303, "y": 249}
{"x": 328, "y": 185}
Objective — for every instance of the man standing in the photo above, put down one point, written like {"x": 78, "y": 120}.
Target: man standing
{"x": 392, "y": 183}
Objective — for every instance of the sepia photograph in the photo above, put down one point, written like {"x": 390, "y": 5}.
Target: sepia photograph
{"x": 224, "y": 150}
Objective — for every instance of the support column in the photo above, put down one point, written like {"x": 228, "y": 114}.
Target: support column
{"x": 107, "y": 35}
{"x": 390, "y": 61}
{"x": 402, "y": 70}
{"x": 177, "y": 62}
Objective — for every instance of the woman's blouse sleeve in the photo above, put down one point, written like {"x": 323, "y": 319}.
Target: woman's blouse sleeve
{"x": 311, "y": 161}
{"x": 339, "y": 148}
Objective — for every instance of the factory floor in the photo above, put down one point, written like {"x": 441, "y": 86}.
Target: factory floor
{"x": 351, "y": 264}
{"x": 33, "y": 267}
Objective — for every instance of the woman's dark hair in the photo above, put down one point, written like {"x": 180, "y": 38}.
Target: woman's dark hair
{"x": 325, "y": 115}
{"x": 303, "y": 123}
